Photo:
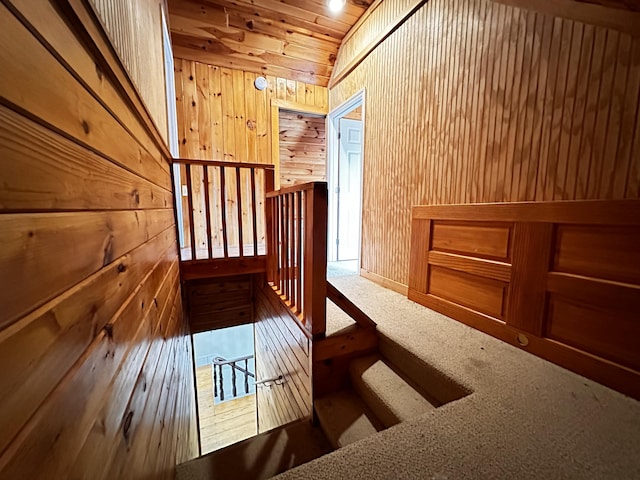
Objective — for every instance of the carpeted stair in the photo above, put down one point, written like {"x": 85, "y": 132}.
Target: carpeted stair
{"x": 381, "y": 397}
{"x": 259, "y": 457}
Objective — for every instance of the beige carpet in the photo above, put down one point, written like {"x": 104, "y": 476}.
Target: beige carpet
{"x": 526, "y": 417}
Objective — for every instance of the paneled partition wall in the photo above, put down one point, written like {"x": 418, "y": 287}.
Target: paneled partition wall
{"x": 559, "y": 279}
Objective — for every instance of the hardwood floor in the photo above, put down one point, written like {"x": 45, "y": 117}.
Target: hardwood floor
{"x": 225, "y": 423}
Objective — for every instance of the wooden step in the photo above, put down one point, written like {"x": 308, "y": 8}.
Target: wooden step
{"x": 260, "y": 457}
{"x": 345, "y": 418}
{"x": 388, "y": 395}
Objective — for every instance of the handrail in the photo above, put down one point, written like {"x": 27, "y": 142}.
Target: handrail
{"x": 350, "y": 308}
{"x": 297, "y": 252}
{"x": 225, "y": 214}
{"x": 223, "y": 163}
{"x": 218, "y": 379}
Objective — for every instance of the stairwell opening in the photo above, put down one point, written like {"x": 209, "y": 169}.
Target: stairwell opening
{"x": 225, "y": 386}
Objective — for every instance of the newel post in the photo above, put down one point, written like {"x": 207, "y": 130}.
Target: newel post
{"x": 315, "y": 259}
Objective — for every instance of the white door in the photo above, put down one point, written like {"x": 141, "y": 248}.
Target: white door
{"x": 348, "y": 189}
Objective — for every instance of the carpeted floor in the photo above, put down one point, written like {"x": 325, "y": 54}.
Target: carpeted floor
{"x": 526, "y": 417}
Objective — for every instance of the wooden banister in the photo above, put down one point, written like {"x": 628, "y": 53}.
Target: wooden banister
{"x": 225, "y": 215}
{"x": 297, "y": 251}
{"x": 351, "y": 309}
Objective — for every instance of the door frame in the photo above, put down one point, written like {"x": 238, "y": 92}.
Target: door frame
{"x": 333, "y": 152}
{"x": 276, "y": 106}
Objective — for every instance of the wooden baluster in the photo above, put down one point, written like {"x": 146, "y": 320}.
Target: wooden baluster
{"x": 233, "y": 379}
{"x": 285, "y": 245}
{"x": 315, "y": 258}
{"x": 190, "y": 204}
{"x": 207, "y": 208}
{"x": 254, "y": 212}
{"x": 270, "y": 225}
{"x": 282, "y": 243}
{"x": 239, "y": 204}
{"x": 299, "y": 253}
{"x": 292, "y": 251}
{"x": 221, "y": 380}
{"x": 223, "y": 210}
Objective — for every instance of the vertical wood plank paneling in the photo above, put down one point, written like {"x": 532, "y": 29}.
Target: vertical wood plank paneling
{"x": 142, "y": 55}
{"x": 491, "y": 102}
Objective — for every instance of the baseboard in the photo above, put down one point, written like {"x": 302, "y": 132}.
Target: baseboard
{"x": 385, "y": 282}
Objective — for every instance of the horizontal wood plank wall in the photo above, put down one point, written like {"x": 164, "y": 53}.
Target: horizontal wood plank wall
{"x": 98, "y": 376}
{"x": 303, "y": 142}
{"x": 220, "y": 302}
{"x": 222, "y": 116}
{"x": 477, "y": 101}
{"x": 135, "y": 31}
{"x": 281, "y": 349}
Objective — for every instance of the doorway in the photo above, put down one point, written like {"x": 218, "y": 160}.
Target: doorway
{"x": 345, "y": 166}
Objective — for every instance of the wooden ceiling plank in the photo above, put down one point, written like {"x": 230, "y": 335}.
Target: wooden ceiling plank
{"x": 256, "y": 56}
{"x": 265, "y": 12}
{"x": 249, "y": 66}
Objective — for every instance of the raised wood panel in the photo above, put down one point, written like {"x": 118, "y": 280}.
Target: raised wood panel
{"x": 608, "y": 253}
{"x": 496, "y": 102}
{"x": 302, "y": 141}
{"x": 608, "y": 332}
{"x": 490, "y": 241}
{"x": 281, "y": 349}
{"x": 483, "y": 295}
{"x": 583, "y": 315}
{"x": 91, "y": 301}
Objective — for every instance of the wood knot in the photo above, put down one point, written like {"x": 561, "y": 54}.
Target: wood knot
{"x": 250, "y": 24}
{"x": 122, "y": 268}
{"x": 126, "y": 426}
{"x": 136, "y": 197}
{"x": 251, "y": 125}
{"x": 98, "y": 72}
{"x": 193, "y": 103}
{"x": 85, "y": 126}
{"x": 108, "y": 329}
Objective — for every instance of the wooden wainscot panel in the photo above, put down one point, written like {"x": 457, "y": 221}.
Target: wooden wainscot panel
{"x": 480, "y": 239}
{"x": 611, "y": 253}
{"x": 482, "y": 294}
{"x": 608, "y": 331}
{"x": 571, "y": 294}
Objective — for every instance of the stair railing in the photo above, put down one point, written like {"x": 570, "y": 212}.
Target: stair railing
{"x": 218, "y": 379}
{"x": 297, "y": 251}
{"x": 224, "y": 215}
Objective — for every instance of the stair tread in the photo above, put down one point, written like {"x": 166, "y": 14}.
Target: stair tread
{"x": 390, "y": 397}
{"x": 345, "y": 418}
{"x": 260, "y": 457}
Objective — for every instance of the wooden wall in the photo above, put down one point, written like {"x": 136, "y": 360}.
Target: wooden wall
{"x": 303, "y": 146}
{"x": 222, "y": 116}
{"x": 97, "y": 377}
{"x": 281, "y": 349}
{"x": 135, "y": 31}
{"x": 482, "y": 101}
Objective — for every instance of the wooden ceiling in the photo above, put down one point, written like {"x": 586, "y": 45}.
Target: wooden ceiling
{"x": 294, "y": 39}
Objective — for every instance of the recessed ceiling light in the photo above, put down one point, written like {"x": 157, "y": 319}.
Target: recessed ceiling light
{"x": 336, "y": 5}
